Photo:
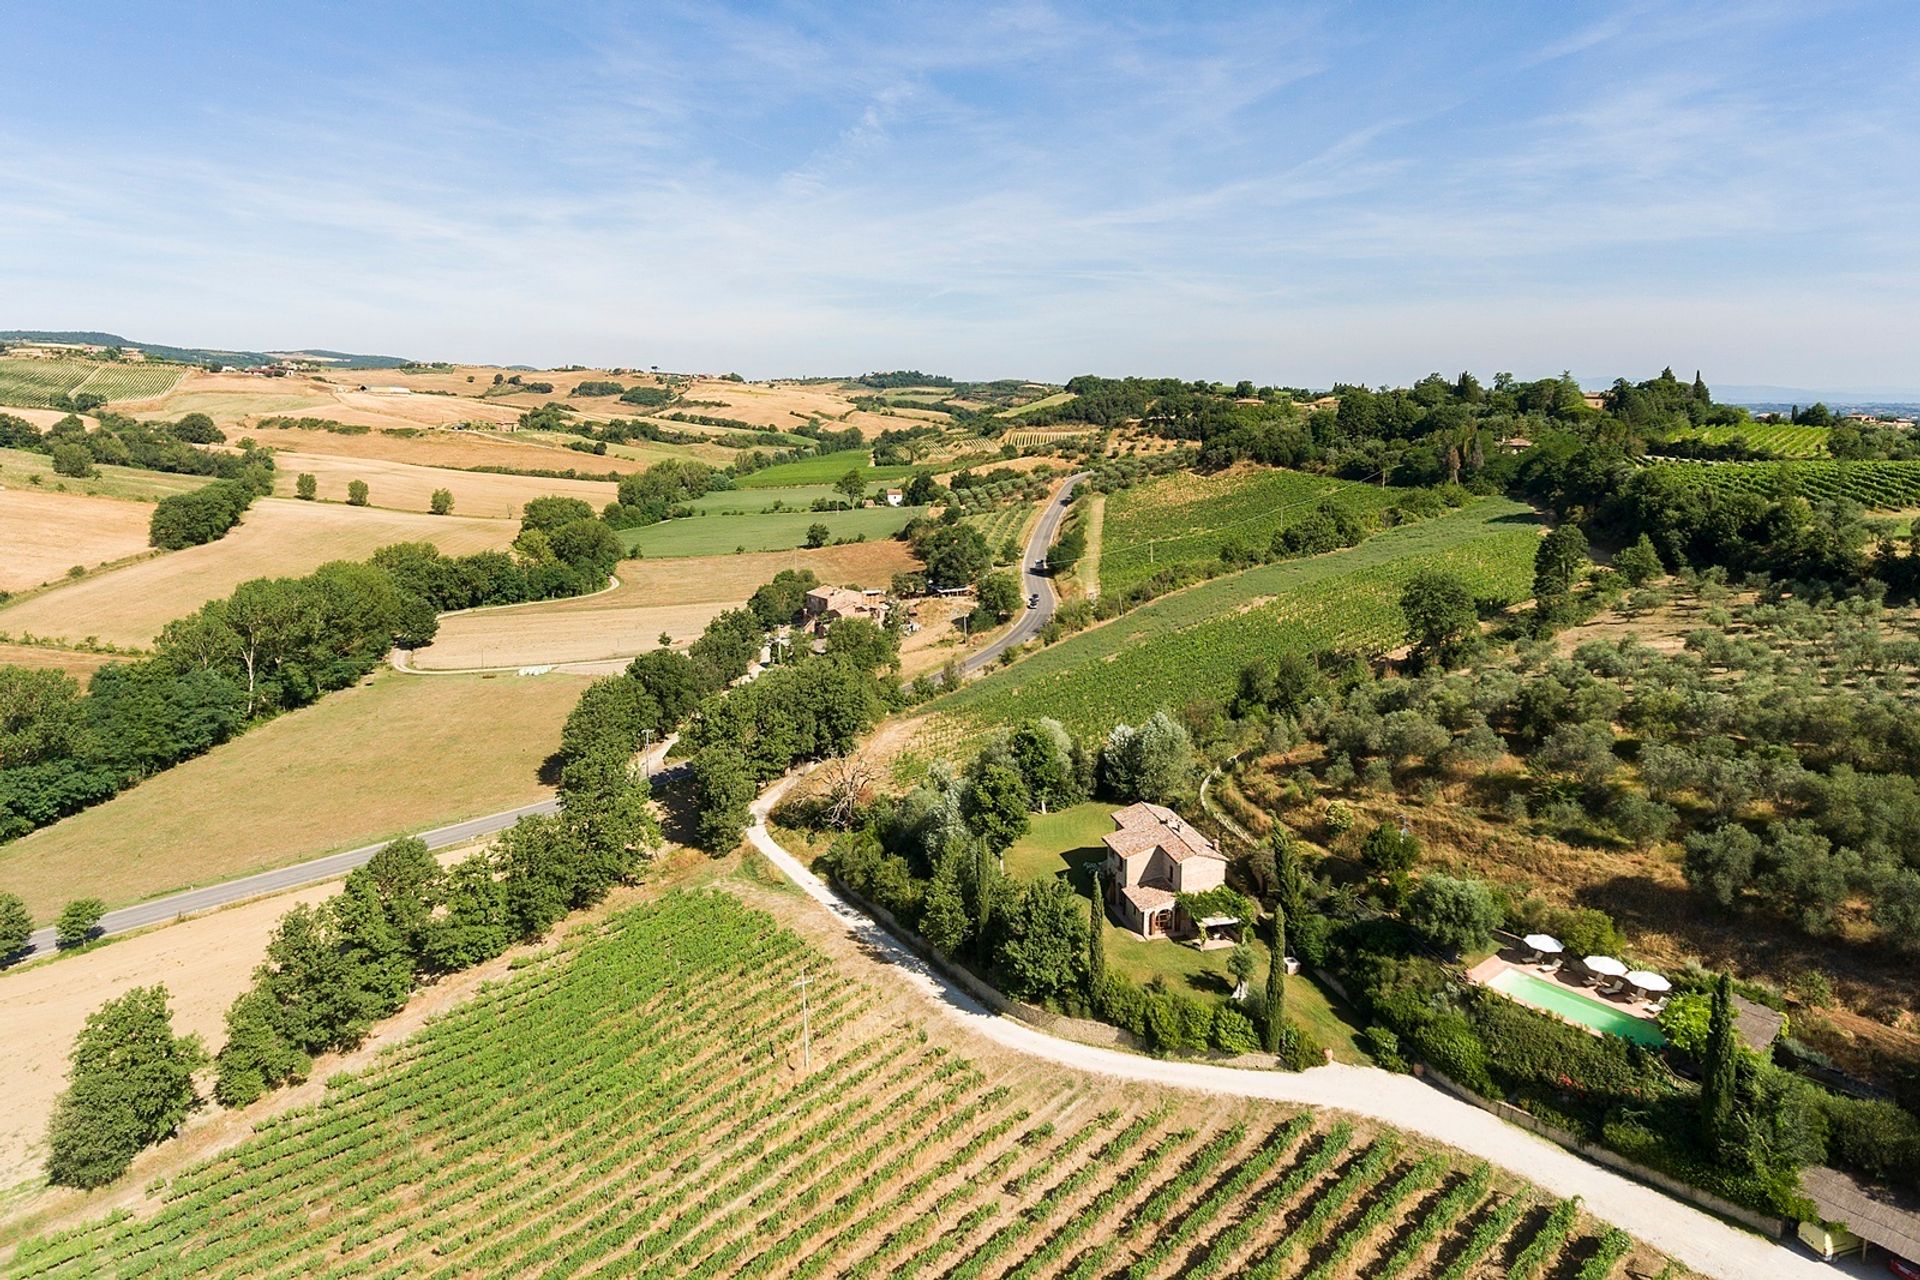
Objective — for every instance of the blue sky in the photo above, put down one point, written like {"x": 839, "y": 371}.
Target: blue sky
{"x": 1289, "y": 193}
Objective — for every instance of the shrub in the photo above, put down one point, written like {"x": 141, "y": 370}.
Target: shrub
{"x": 1389, "y": 849}
{"x": 1453, "y": 914}
{"x": 1449, "y": 1045}
{"x": 1233, "y": 1031}
{"x": 305, "y": 487}
{"x": 1383, "y": 1046}
{"x": 78, "y": 921}
{"x": 441, "y": 503}
{"x": 357, "y": 494}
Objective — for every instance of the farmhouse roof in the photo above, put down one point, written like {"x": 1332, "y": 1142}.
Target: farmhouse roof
{"x": 1874, "y": 1214}
{"x": 1757, "y": 1025}
{"x": 1144, "y": 826}
{"x": 1145, "y": 899}
{"x": 836, "y": 599}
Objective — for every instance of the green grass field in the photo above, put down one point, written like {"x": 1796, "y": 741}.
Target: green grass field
{"x": 1192, "y": 644}
{"x": 752, "y": 501}
{"x": 722, "y": 534}
{"x": 18, "y": 467}
{"x": 823, "y": 468}
{"x": 1184, "y": 517}
{"x": 1044, "y": 402}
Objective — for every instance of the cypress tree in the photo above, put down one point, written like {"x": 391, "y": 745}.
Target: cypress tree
{"x": 1291, "y": 888}
{"x": 1722, "y": 1066}
{"x": 982, "y": 894}
{"x": 1097, "y": 942}
{"x": 1277, "y": 982}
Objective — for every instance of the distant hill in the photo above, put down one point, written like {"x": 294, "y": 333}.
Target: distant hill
{"x": 206, "y": 355}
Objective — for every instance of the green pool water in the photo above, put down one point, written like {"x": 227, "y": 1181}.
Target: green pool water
{"x": 1551, "y": 996}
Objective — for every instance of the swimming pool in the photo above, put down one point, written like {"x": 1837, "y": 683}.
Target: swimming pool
{"x": 1554, "y": 998}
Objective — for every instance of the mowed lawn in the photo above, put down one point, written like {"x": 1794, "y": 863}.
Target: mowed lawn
{"x": 405, "y": 486}
{"x": 44, "y": 534}
{"x": 129, "y": 605}
{"x": 397, "y": 753}
{"x": 1067, "y": 843}
{"x": 823, "y": 468}
{"x": 752, "y": 531}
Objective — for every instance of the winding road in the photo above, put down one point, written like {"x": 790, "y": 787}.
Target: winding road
{"x": 1030, "y": 621}
{"x": 1699, "y": 1240}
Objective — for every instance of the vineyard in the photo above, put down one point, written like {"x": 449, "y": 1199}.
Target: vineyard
{"x": 655, "y": 1112}
{"x": 1780, "y": 438}
{"x": 36, "y": 384}
{"x": 1042, "y": 437}
{"x": 1192, "y": 644}
{"x": 998, "y": 524}
{"x": 1182, "y": 517}
{"x": 1877, "y": 486}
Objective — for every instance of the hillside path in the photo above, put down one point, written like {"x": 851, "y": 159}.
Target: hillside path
{"x": 1701, "y": 1241}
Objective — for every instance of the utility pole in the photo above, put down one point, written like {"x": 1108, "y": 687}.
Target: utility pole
{"x": 806, "y": 1026}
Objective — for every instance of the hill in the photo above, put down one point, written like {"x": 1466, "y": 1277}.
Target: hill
{"x": 204, "y": 355}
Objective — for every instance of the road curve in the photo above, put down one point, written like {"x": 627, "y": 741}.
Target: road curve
{"x": 1030, "y": 621}
{"x": 1701, "y": 1241}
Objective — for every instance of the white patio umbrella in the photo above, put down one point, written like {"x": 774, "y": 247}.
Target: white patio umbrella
{"x": 1606, "y": 965}
{"x": 1649, "y": 981}
{"x": 1544, "y": 943}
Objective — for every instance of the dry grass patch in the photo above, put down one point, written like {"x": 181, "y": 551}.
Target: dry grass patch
{"x": 74, "y": 662}
{"x": 406, "y": 487}
{"x": 45, "y": 534}
{"x": 394, "y": 754}
{"x": 129, "y": 606}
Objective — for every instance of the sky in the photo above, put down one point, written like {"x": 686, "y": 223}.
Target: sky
{"x": 1297, "y": 194}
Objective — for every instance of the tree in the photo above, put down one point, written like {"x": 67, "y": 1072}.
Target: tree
{"x": 955, "y": 555}
{"x": 944, "y": 920}
{"x": 1151, "y": 762}
{"x": 1289, "y": 878}
{"x": 1720, "y": 862}
{"x": 1043, "y": 947}
{"x": 1389, "y": 849}
{"x": 1240, "y": 963}
{"x": 1440, "y": 614}
{"x": 16, "y": 926}
{"x": 441, "y": 504}
{"x": 999, "y": 595}
{"x": 357, "y": 493}
{"x": 818, "y": 534}
{"x": 131, "y": 1084}
{"x": 549, "y": 514}
{"x": 305, "y": 487}
{"x": 1453, "y": 914}
{"x": 725, "y": 791}
{"x": 996, "y": 805}
{"x": 72, "y": 460}
{"x": 851, "y": 486}
{"x": 1097, "y": 937}
{"x": 1558, "y": 561}
{"x": 1276, "y": 1004}
{"x": 1043, "y": 753}
{"x": 78, "y": 921}
{"x": 1640, "y": 563}
{"x": 1721, "y": 1066}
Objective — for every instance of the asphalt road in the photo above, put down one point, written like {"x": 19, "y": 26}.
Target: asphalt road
{"x": 1030, "y": 621}
{"x": 165, "y": 910}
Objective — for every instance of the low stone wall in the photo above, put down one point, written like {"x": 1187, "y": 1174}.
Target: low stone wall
{"x": 1765, "y": 1224}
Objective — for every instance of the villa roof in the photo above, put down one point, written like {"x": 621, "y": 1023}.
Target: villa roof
{"x": 1872, "y": 1213}
{"x": 1143, "y": 827}
{"x": 1145, "y": 898}
{"x": 1756, "y": 1025}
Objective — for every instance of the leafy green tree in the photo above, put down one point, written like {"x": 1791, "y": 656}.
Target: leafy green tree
{"x": 1153, "y": 761}
{"x": 1276, "y": 1003}
{"x": 1453, "y": 914}
{"x": 78, "y": 921}
{"x": 1441, "y": 615}
{"x": 725, "y": 790}
{"x": 1043, "y": 753}
{"x": 357, "y": 493}
{"x": 1043, "y": 945}
{"x": 548, "y": 515}
{"x": 131, "y": 1084}
{"x": 945, "y": 920}
{"x": 1720, "y": 863}
{"x": 1721, "y": 1065}
{"x": 985, "y": 889}
{"x": 72, "y": 460}
{"x": 851, "y": 486}
{"x": 818, "y": 535}
{"x": 257, "y": 1055}
{"x": 473, "y": 924}
{"x": 955, "y": 555}
{"x": 1640, "y": 563}
{"x": 1559, "y": 559}
{"x": 996, "y": 805}
{"x": 16, "y": 926}
{"x": 999, "y": 595}
{"x": 305, "y": 487}
{"x": 1389, "y": 849}
{"x": 42, "y": 716}
{"x": 441, "y": 504}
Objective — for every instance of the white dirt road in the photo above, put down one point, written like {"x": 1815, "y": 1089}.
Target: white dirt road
{"x": 1697, "y": 1239}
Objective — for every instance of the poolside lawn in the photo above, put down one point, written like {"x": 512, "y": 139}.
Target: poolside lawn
{"x": 1068, "y": 843}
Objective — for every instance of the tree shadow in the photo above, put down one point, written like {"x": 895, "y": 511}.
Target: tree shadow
{"x": 549, "y": 771}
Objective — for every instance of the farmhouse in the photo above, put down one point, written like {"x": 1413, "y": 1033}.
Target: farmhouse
{"x": 895, "y": 497}
{"x": 824, "y": 604}
{"x": 1153, "y": 857}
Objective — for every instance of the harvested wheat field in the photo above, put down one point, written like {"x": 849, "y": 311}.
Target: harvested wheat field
{"x": 346, "y": 771}
{"x": 75, "y": 662}
{"x": 128, "y": 606}
{"x": 45, "y": 534}
{"x": 450, "y": 449}
{"x": 402, "y": 486}
{"x": 678, "y": 597}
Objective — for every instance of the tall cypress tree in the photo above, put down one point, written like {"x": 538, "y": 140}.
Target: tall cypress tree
{"x": 1722, "y": 1067}
{"x": 1277, "y": 982}
{"x": 1097, "y": 941}
{"x": 982, "y": 895}
{"x": 1291, "y": 889}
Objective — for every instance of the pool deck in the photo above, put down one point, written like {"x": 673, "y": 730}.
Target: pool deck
{"x": 1566, "y": 975}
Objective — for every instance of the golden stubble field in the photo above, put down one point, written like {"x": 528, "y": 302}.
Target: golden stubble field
{"x": 277, "y": 538}
{"x": 404, "y": 486}
{"x": 43, "y": 534}
{"x": 678, "y": 597}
